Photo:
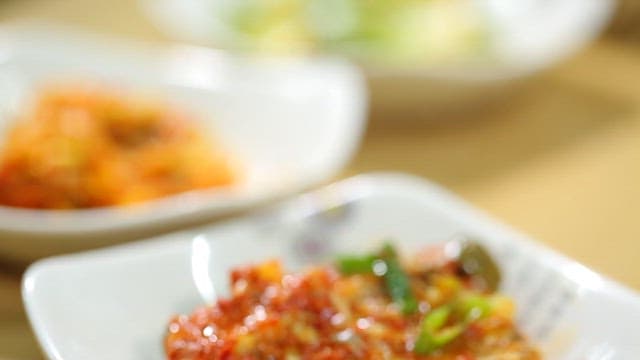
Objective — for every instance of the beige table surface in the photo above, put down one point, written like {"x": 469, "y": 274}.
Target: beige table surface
{"x": 559, "y": 159}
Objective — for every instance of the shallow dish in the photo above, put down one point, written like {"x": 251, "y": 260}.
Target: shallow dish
{"x": 115, "y": 303}
{"x": 290, "y": 123}
{"x": 528, "y": 36}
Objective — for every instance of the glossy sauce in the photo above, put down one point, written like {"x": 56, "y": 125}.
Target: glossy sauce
{"x": 82, "y": 147}
{"x": 321, "y": 314}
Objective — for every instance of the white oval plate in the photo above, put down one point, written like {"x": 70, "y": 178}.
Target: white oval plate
{"x": 115, "y": 303}
{"x": 291, "y": 123}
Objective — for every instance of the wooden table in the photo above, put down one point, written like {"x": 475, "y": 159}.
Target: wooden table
{"x": 560, "y": 159}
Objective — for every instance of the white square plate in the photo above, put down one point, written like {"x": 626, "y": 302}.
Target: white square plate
{"x": 115, "y": 303}
{"x": 291, "y": 123}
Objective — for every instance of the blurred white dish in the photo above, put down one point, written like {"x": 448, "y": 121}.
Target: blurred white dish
{"x": 526, "y": 35}
{"x": 115, "y": 303}
{"x": 291, "y": 123}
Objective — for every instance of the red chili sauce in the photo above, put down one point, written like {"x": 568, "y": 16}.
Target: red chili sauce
{"x": 328, "y": 313}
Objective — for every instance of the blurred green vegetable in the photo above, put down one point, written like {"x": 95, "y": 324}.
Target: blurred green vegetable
{"x": 444, "y": 324}
{"x": 415, "y": 30}
{"x": 433, "y": 335}
{"x": 350, "y": 265}
{"x": 397, "y": 281}
{"x": 472, "y": 307}
{"x": 476, "y": 261}
{"x": 464, "y": 310}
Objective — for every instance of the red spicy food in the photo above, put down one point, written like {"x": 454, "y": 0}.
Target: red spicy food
{"x": 369, "y": 307}
{"x": 82, "y": 147}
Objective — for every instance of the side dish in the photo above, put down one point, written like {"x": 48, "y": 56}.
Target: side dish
{"x": 439, "y": 304}
{"x": 84, "y": 147}
{"x": 420, "y": 32}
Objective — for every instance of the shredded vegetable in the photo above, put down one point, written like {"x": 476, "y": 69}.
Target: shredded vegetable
{"x": 423, "y": 31}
